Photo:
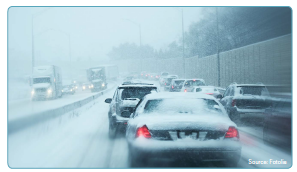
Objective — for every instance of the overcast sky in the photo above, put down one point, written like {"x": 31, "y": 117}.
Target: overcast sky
{"x": 93, "y": 30}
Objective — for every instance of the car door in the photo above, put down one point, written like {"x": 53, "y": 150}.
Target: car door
{"x": 225, "y": 96}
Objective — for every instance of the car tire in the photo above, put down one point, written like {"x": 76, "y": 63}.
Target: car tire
{"x": 136, "y": 160}
{"x": 235, "y": 118}
{"x": 112, "y": 130}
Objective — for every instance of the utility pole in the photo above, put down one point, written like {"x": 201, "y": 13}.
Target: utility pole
{"x": 218, "y": 49}
{"x": 33, "y": 58}
{"x": 184, "y": 60}
{"x": 33, "y": 54}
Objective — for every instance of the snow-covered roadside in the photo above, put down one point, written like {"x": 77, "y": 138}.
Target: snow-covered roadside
{"x": 61, "y": 142}
{"x": 24, "y": 107}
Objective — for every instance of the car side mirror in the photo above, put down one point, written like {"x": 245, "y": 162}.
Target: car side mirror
{"x": 108, "y": 100}
{"x": 216, "y": 107}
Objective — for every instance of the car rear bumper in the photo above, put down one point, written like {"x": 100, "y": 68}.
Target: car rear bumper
{"x": 198, "y": 153}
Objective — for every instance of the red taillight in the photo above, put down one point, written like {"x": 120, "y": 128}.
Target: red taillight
{"x": 165, "y": 83}
{"x": 209, "y": 93}
{"x": 194, "y": 79}
{"x": 185, "y": 90}
{"x": 143, "y": 132}
{"x": 231, "y": 133}
{"x": 172, "y": 86}
{"x": 233, "y": 102}
{"x": 145, "y": 75}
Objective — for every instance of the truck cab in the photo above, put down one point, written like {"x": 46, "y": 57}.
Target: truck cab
{"x": 46, "y": 83}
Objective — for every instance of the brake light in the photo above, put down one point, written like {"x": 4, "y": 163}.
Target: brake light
{"x": 209, "y": 93}
{"x": 231, "y": 133}
{"x": 185, "y": 90}
{"x": 172, "y": 86}
{"x": 233, "y": 102}
{"x": 143, "y": 132}
{"x": 145, "y": 75}
{"x": 194, "y": 79}
{"x": 165, "y": 83}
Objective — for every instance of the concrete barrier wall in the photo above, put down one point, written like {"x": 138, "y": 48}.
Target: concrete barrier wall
{"x": 268, "y": 62}
{"x": 42, "y": 117}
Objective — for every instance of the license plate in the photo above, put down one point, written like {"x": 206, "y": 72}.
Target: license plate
{"x": 186, "y": 134}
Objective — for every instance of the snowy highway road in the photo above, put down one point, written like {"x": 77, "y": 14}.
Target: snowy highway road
{"x": 80, "y": 139}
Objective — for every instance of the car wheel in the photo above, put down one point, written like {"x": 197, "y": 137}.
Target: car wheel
{"x": 112, "y": 130}
{"x": 136, "y": 160}
{"x": 235, "y": 118}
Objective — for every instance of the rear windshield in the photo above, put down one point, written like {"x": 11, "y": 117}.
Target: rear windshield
{"x": 41, "y": 80}
{"x": 253, "y": 90}
{"x": 192, "y": 83}
{"x": 177, "y": 83}
{"x": 168, "y": 80}
{"x": 136, "y": 92}
{"x": 165, "y": 74}
{"x": 181, "y": 106}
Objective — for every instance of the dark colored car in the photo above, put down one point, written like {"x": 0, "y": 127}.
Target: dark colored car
{"x": 85, "y": 86}
{"x": 123, "y": 103}
{"x": 277, "y": 128}
{"x": 68, "y": 89}
{"x": 167, "y": 81}
{"x": 181, "y": 127}
{"x": 176, "y": 85}
{"x": 246, "y": 101}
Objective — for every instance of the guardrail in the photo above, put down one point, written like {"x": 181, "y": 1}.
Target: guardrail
{"x": 37, "y": 118}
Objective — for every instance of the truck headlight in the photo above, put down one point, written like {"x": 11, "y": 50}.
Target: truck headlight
{"x": 92, "y": 86}
{"x": 84, "y": 87}
{"x": 49, "y": 91}
{"x": 71, "y": 90}
{"x": 103, "y": 84}
{"x": 62, "y": 90}
{"x": 32, "y": 92}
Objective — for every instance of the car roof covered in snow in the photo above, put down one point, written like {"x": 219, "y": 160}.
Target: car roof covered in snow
{"x": 170, "y": 76}
{"x": 205, "y": 86}
{"x": 195, "y": 79}
{"x": 136, "y": 85}
{"x": 178, "y": 95}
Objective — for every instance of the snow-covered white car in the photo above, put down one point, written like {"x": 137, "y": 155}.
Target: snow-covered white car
{"x": 210, "y": 90}
{"x": 175, "y": 126}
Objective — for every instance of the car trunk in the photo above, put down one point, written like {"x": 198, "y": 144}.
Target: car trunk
{"x": 198, "y": 128}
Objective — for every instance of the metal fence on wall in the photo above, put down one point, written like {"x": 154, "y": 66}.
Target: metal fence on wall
{"x": 268, "y": 62}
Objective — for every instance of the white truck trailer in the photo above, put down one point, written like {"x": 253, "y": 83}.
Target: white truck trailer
{"x": 46, "y": 82}
{"x": 99, "y": 76}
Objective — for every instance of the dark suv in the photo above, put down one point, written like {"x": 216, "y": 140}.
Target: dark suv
{"x": 246, "y": 101}
{"x": 123, "y": 103}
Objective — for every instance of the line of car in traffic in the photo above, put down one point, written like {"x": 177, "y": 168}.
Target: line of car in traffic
{"x": 192, "y": 121}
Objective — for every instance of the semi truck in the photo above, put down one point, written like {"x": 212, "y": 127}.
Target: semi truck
{"x": 46, "y": 82}
{"x": 100, "y": 75}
